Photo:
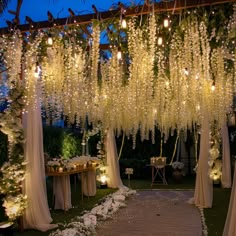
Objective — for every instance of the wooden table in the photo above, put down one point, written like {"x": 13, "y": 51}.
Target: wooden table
{"x": 68, "y": 173}
{"x": 158, "y": 171}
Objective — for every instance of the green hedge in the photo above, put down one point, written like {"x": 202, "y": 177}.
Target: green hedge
{"x": 144, "y": 150}
{"x": 61, "y": 142}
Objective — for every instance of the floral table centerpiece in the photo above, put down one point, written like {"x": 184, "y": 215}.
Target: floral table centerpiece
{"x": 178, "y": 171}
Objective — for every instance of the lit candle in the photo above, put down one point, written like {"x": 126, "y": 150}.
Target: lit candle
{"x": 60, "y": 169}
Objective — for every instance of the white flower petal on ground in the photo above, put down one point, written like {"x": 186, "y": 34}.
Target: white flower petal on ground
{"x": 85, "y": 225}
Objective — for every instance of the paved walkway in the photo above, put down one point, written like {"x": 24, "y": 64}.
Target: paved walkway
{"x": 155, "y": 213}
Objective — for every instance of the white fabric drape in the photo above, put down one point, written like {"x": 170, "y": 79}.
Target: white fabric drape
{"x": 62, "y": 192}
{"x": 89, "y": 183}
{"x": 230, "y": 226}
{"x": 37, "y": 214}
{"x": 226, "y": 166}
{"x": 113, "y": 168}
{"x": 203, "y": 194}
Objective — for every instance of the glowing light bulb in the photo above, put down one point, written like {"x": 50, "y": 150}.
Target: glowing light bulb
{"x": 186, "y": 72}
{"x": 36, "y": 74}
{"x": 166, "y": 23}
{"x": 167, "y": 83}
{"x": 123, "y": 24}
{"x": 50, "y": 41}
{"x": 213, "y": 87}
{"x": 119, "y": 55}
{"x": 159, "y": 41}
{"x": 103, "y": 179}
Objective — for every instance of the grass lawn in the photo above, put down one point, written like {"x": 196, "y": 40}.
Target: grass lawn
{"x": 60, "y": 216}
{"x": 215, "y": 217}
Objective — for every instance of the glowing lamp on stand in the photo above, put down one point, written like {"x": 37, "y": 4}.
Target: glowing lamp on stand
{"x": 103, "y": 181}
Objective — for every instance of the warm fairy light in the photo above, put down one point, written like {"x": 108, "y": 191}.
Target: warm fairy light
{"x": 213, "y": 87}
{"x": 186, "y": 72}
{"x": 119, "y": 55}
{"x": 103, "y": 179}
{"x": 159, "y": 41}
{"x": 123, "y": 24}
{"x": 166, "y": 23}
{"x": 36, "y": 74}
{"x": 50, "y": 41}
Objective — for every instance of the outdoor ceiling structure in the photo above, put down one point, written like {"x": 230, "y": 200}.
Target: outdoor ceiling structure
{"x": 163, "y": 6}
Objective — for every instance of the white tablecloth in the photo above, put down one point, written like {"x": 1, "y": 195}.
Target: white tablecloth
{"x": 89, "y": 183}
{"x": 62, "y": 192}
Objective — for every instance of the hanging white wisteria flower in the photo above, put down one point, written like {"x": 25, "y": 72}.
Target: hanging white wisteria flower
{"x": 13, "y": 171}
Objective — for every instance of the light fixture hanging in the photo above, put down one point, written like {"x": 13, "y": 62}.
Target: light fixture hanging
{"x": 119, "y": 54}
{"x": 50, "y": 41}
{"x": 123, "y": 23}
{"x": 159, "y": 41}
{"x": 166, "y": 23}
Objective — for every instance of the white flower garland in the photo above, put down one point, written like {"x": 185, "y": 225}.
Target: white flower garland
{"x": 203, "y": 221}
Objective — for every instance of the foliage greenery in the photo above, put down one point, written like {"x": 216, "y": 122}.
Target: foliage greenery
{"x": 61, "y": 142}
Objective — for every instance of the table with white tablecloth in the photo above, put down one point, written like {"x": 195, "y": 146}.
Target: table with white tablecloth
{"x": 62, "y": 188}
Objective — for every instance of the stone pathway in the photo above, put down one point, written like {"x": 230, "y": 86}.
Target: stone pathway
{"x": 155, "y": 213}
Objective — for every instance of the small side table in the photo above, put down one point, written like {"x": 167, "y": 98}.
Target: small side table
{"x": 158, "y": 170}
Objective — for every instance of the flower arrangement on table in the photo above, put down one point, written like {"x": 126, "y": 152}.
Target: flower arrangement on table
{"x": 178, "y": 166}
{"x": 75, "y": 163}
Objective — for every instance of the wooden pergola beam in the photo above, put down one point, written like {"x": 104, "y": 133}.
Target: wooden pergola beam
{"x": 175, "y": 5}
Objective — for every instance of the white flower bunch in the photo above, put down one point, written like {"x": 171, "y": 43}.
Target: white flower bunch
{"x": 177, "y": 165}
{"x": 15, "y": 206}
{"x": 54, "y": 163}
{"x": 129, "y": 171}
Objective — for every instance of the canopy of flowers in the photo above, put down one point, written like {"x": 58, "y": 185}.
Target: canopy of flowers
{"x": 148, "y": 87}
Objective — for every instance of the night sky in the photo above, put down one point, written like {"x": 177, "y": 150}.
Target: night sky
{"x": 37, "y": 10}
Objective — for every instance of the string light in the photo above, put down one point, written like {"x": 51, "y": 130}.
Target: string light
{"x": 159, "y": 41}
{"x": 123, "y": 24}
{"x": 186, "y": 72}
{"x": 166, "y": 23}
{"x": 119, "y": 54}
{"x": 50, "y": 41}
{"x": 213, "y": 87}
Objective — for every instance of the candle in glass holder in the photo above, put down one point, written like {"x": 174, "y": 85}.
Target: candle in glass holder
{"x": 60, "y": 169}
